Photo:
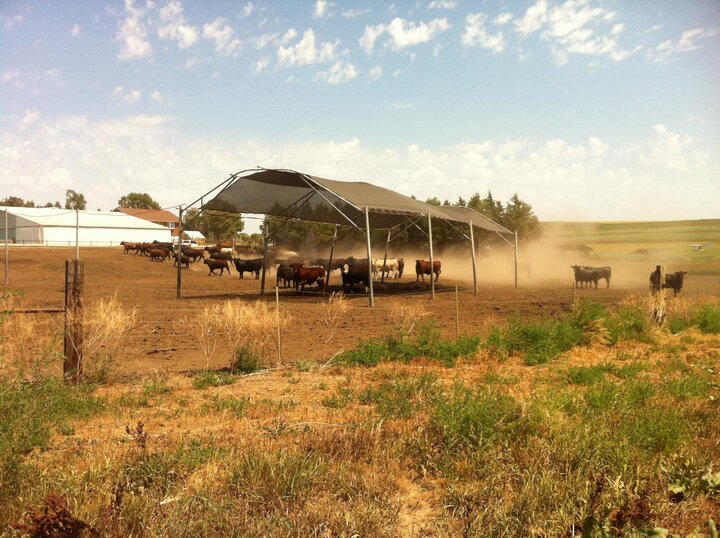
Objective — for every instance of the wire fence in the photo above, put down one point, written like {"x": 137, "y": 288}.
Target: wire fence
{"x": 166, "y": 332}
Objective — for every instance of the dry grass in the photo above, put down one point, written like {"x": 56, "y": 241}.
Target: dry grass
{"x": 105, "y": 324}
{"x": 243, "y": 326}
{"x": 29, "y": 343}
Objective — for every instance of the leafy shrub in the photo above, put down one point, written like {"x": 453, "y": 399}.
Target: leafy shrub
{"x": 400, "y": 398}
{"x": 235, "y": 406}
{"x": 474, "y": 419}
{"x": 630, "y": 322}
{"x": 427, "y": 343}
{"x": 538, "y": 341}
{"x": 707, "y": 318}
{"x": 246, "y": 361}
{"x": 203, "y": 380}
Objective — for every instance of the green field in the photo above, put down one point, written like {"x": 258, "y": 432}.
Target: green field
{"x": 663, "y": 241}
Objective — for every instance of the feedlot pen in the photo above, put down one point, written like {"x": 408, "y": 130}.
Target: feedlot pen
{"x": 166, "y": 338}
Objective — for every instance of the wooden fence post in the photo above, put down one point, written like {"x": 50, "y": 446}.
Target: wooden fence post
{"x": 73, "y": 342}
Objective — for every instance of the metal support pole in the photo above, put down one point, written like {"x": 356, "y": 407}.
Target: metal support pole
{"x": 265, "y": 258}
{"x": 432, "y": 262}
{"x": 277, "y": 313}
{"x": 516, "y": 259}
{"x": 474, "y": 262}
{"x": 369, "y": 257}
{"x": 178, "y": 259}
{"x": 329, "y": 267}
{"x": 382, "y": 269}
{"x": 7, "y": 264}
{"x": 77, "y": 234}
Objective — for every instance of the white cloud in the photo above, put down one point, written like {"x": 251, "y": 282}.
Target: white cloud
{"x": 173, "y": 25}
{"x": 339, "y": 73}
{"x": 592, "y": 179}
{"x": 322, "y": 8}
{"x": 666, "y": 50}
{"x": 9, "y": 21}
{"x": 475, "y": 34}
{"x": 354, "y": 13}
{"x": 261, "y": 65}
{"x": 76, "y": 31}
{"x": 10, "y": 75}
{"x": 305, "y": 52}
{"x": 133, "y": 33}
{"x": 130, "y": 97}
{"x": 574, "y": 27}
{"x": 223, "y": 36}
{"x": 30, "y": 117}
{"x": 401, "y": 105}
{"x": 247, "y": 10}
{"x": 405, "y": 33}
{"x": 157, "y": 96}
{"x": 370, "y": 35}
{"x": 534, "y": 18}
{"x": 263, "y": 41}
{"x": 503, "y": 18}
{"x": 443, "y": 4}
{"x": 289, "y": 36}
{"x": 376, "y": 72}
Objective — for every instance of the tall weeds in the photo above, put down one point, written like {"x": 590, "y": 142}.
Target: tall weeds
{"x": 29, "y": 343}
{"x": 248, "y": 329}
{"x": 105, "y": 324}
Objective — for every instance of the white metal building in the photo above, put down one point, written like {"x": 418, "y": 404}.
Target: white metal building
{"x": 58, "y": 227}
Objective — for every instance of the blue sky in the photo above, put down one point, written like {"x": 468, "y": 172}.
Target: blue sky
{"x": 588, "y": 109}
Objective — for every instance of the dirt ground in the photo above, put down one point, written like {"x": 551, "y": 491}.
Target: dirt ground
{"x": 165, "y": 337}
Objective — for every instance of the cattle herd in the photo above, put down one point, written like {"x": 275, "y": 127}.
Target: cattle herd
{"x": 586, "y": 276}
{"x": 291, "y": 270}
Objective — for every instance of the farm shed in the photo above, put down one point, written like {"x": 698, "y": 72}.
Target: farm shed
{"x": 290, "y": 194}
{"x": 58, "y": 227}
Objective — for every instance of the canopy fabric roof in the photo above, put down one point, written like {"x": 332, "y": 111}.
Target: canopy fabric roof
{"x": 292, "y": 194}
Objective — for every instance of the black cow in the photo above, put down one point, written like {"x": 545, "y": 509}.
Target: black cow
{"x": 585, "y": 275}
{"x": 673, "y": 280}
{"x": 184, "y": 260}
{"x": 251, "y": 266}
{"x": 286, "y": 273}
{"x": 355, "y": 272}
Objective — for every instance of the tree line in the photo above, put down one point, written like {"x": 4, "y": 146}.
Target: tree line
{"x": 515, "y": 215}
{"x": 297, "y": 234}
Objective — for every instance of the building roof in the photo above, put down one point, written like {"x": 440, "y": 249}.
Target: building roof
{"x": 293, "y": 194}
{"x": 52, "y": 216}
{"x": 153, "y": 215}
{"x": 193, "y": 234}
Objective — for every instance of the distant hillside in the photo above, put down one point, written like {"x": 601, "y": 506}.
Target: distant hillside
{"x": 659, "y": 232}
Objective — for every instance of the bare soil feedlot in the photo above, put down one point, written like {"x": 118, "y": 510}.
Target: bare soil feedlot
{"x": 165, "y": 335}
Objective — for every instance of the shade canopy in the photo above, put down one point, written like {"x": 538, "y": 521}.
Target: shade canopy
{"x": 291, "y": 194}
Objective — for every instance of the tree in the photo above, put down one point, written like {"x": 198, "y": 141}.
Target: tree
{"x": 14, "y": 201}
{"x": 74, "y": 200}
{"x": 138, "y": 200}
{"x": 518, "y": 216}
{"x": 215, "y": 226}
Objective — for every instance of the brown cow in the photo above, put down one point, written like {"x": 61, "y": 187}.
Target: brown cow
{"x": 308, "y": 275}
{"x": 217, "y": 264}
{"x": 193, "y": 253}
{"x": 422, "y": 268}
{"x": 128, "y": 246}
{"x": 159, "y": 254}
